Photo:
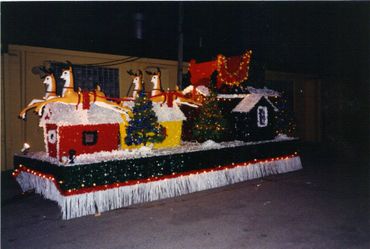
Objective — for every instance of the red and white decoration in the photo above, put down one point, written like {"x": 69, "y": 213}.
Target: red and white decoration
{"x": 120, "y": 195}
{"x": 70, "y": 129}
{"x": 231, "y": 70}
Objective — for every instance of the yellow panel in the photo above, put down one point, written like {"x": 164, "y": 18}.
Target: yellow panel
{"x": 173, "y": 131}
{"x": 173, "y": 138}
{"x": 122, "y": 131}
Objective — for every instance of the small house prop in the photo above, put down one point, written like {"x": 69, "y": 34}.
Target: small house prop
{"x": 73, "y": 130}
{"x": 254, "y": 118}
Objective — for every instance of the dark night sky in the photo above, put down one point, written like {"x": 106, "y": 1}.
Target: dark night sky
{"x": 328, "y": 39}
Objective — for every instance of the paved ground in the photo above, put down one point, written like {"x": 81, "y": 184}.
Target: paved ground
{"x": 326, "y": 205}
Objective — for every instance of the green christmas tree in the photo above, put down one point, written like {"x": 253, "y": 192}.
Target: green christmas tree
{"x": 210, "y": 124}
{"x": 284, "y": 118}
{"x": 143, "y": 127}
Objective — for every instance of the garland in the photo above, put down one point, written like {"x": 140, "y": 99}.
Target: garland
{"x": 104, "y": 199}
{"x": 237, "y": 76}
{"x": 73, "y": 178}
{"x": 94, "y": 188}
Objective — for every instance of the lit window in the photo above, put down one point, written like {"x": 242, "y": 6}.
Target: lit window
{"x": 262, "y": 116}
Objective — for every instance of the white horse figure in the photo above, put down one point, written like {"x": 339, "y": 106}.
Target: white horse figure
{"x": 137, "y": 81}
{"x": 70, "y": 96}
{"x": 50, "y": 91}
{"x": 51, "y": 87}
{"x": 156, "y": 80}
{"x": 67, "y": 76}
{"x": 161, "y": 96}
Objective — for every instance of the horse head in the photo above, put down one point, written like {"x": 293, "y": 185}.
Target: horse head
{"x": 49, "y": 80}
{"x": 137, "y": 81}
{"x": 67, "y": 75}
{"x": 156, "y": 80}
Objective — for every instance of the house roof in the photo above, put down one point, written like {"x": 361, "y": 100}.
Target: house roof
{"x": 249, "y": 101}
{"x": 264, "y": 91}
{"x": 67, "y": 114}
{"x": 231, "y": 96}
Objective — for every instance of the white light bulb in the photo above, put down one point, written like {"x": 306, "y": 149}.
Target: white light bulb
{"x": 25, "y": 148}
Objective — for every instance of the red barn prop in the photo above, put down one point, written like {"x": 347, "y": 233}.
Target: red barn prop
{"x": 231, "y": 70}
{"x": 71, "y": 131}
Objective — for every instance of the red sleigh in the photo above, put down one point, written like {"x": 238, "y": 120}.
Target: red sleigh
{"x": 231, "y": 70}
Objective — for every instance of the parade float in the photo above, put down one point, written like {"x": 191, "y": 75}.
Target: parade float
{"x": 103, "y": 153}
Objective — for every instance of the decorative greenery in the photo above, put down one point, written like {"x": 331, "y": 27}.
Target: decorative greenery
{"x": 118, "y": 171}
{"x": 284, "y": 118}
{"x": 210, "y": 124}
{"x": 143, "y": 127}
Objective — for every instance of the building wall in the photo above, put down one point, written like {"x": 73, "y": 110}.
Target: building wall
{"x": 20, "y": 86}
{"x": 307, "y": 103}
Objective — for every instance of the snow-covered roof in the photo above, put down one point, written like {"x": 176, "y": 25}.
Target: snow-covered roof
{"x": 264, "y": 91}
{"x": 67, "y": 114}
{"x": 203, "y": 90}
{"x": 165, "y": 113}
{"x": 231, "y": 96}
{"x": 249, "y": 101}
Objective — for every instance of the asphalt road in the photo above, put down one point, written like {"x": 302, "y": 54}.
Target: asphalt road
{"x": 325, "y": 205}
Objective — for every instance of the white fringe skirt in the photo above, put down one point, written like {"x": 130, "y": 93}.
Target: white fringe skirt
{"x": 78, "y": 205}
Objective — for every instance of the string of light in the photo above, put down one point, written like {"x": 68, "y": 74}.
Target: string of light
{"x": 83, "y": 189}
{"x": 236, "y": 77}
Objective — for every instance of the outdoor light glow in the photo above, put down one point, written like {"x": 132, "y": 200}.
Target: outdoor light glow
{"x": 25, "y": 148}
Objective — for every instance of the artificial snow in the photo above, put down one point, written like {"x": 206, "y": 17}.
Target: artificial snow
{"x": 147, "y": 151}
{"x": 264, "y": 91}
{"x": 231, "y": 96}
{"x": 143, "y": 151}
{"x": 202, "y": 90}
{"x": 162, "y": 111}
{"x": 281, "y": 137}
{"x": 210, "y": 144}
{"x": 67, "y": 114}
{"x": 130, "y": 104}
{"x": 165, "y": 113}
{"x": 249, "y": 101}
